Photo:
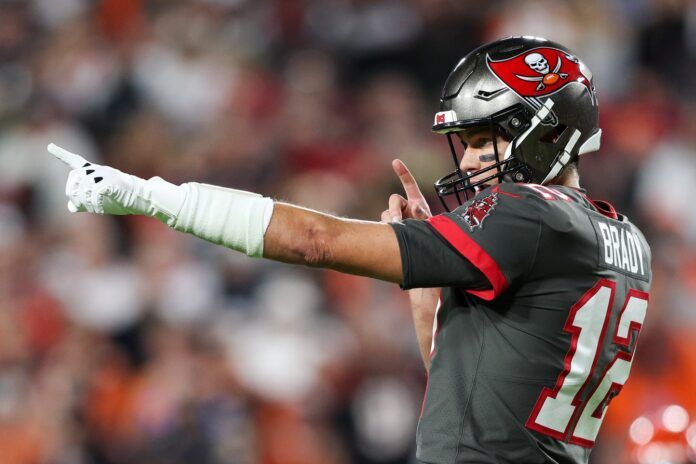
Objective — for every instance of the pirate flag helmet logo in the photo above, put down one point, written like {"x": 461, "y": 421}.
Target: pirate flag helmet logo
{"x": 540, "y": 72}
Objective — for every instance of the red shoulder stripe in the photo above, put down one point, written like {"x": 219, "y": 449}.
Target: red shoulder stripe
{"x": 473, "y": 252}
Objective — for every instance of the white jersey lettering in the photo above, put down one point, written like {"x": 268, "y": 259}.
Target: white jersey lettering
{"x": 621, "y": 248}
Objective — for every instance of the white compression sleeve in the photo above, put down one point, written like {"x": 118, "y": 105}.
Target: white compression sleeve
{"x": 233, "y": 218}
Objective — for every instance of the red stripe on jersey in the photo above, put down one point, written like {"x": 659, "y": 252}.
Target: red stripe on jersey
{"x": 472, "y": 251}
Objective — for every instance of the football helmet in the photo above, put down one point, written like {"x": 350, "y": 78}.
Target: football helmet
{"x": 533, "y": 92}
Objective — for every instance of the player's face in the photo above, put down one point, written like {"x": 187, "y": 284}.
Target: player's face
{"x": 479, "y": 152}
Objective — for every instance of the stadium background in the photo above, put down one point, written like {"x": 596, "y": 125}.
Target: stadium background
{"x": 124, "y": 342}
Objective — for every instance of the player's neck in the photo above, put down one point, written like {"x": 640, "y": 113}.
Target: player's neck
{"x": 569, "y": 178}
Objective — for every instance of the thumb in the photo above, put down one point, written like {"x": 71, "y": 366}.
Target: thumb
{"x": 73, "y": 160}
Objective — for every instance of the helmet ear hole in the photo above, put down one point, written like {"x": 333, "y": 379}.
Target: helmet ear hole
{"x": 554, "y": 134}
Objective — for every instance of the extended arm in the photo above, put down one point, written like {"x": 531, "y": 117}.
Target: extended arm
{"x": 239, "y": 220}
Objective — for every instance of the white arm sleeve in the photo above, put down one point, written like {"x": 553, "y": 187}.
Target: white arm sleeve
{"x": 232, "y": 218}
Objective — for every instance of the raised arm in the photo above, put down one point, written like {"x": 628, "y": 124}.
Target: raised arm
{"x": 423, "y": 301}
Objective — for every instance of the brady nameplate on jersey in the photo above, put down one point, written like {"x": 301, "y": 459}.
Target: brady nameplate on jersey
{"x": 621, "y": 249}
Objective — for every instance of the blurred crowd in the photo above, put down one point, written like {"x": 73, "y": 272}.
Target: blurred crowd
{"x": 122, "y": 341}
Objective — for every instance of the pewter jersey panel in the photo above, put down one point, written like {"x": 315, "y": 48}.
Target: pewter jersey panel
{"x": 493, "y": 358}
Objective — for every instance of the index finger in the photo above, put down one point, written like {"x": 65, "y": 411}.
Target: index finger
{"x": 407, "y": 179}
{"x": 73, "y": 160}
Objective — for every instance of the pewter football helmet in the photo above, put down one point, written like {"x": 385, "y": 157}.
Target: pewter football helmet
{"x": 533, "y": 92}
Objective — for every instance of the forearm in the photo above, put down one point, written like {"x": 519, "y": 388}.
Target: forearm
{"x": 257, "y": 226}
{"x": 301, "y": 236}
{"x": 424, "y": 302}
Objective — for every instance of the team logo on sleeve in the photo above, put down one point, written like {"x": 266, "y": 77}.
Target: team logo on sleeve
{"x": 540, "y": 72}
{"x": 479, "y": 210}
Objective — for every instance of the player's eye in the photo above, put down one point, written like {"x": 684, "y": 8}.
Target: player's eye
{"x": 481, "y": 142}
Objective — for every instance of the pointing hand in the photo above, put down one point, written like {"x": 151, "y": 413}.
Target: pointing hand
{"x": 414, "y": 206}
{"x": 104, "y": 190}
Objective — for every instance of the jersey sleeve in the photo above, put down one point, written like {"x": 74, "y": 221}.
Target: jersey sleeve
{"x": 484, "y": 247}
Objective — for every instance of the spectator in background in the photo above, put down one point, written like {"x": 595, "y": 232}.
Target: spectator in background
{"x": 265, "y": 94}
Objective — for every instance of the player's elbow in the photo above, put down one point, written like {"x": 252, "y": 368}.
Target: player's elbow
{"x": 315, "y": 247}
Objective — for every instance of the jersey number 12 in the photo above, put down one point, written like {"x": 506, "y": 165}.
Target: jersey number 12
{"x": 561, "y": 411}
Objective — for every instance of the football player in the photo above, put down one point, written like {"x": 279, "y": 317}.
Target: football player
{"x": 543, "y": 290}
